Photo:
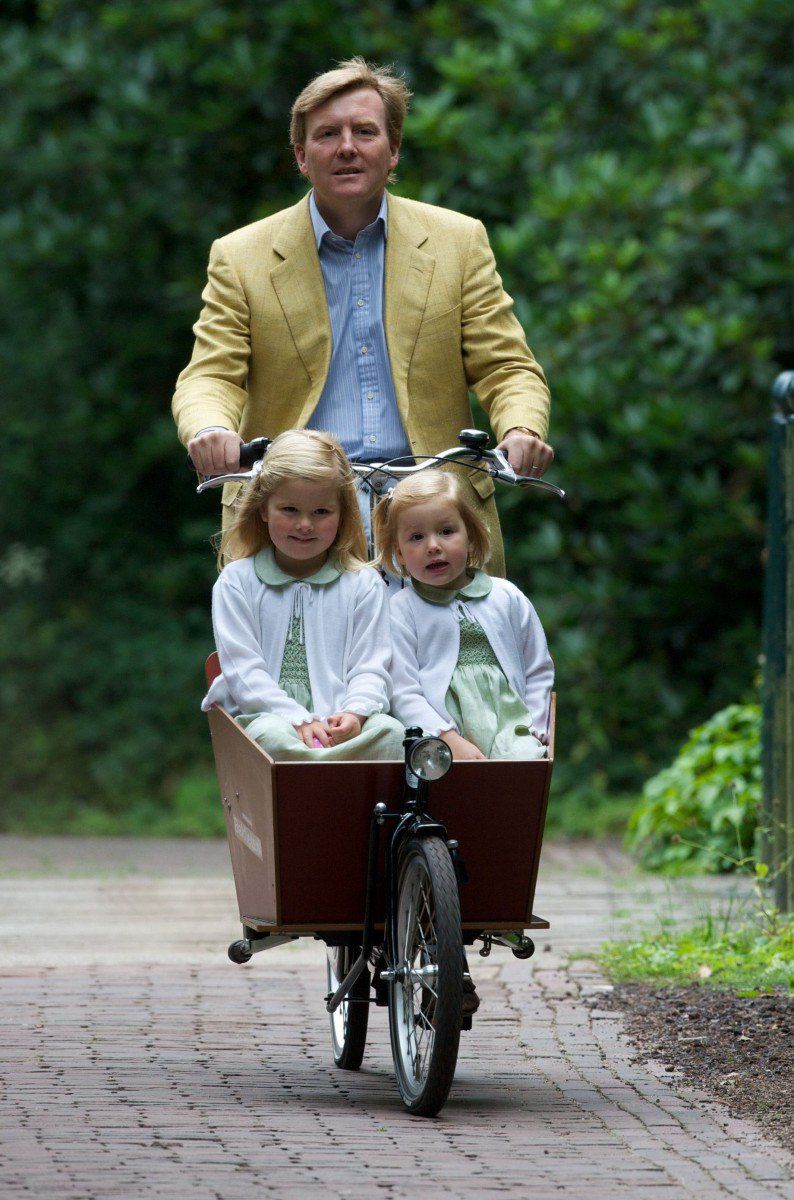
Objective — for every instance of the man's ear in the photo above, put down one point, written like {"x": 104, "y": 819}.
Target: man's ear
{"x": 395, "y": 156}
{"x": 300, "y": 157}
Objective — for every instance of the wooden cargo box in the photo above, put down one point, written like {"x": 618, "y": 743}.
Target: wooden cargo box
{"x": 298, "y": 833}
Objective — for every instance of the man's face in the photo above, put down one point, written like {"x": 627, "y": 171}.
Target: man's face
{"x": 347, "y": 155}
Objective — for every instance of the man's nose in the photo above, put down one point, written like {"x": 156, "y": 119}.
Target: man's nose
{"x": 347, "y": 143}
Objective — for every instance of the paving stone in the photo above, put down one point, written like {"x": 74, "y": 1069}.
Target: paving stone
{"x": 139, "y": 1062}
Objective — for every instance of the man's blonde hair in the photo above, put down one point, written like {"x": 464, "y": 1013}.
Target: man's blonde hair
{"x": 353, "y": 73}
{"x": 297, "y": 454}
{"x": 420, "y": 489}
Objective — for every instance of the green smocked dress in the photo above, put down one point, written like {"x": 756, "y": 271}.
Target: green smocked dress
{"x": 479, "y": 699}
{"x": 381, "y": 736}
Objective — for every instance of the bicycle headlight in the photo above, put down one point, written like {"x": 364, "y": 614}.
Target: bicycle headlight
{"x": 430, "y": 758}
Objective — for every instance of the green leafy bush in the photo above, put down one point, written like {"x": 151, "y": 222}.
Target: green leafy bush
{"x": 700, "y": 813}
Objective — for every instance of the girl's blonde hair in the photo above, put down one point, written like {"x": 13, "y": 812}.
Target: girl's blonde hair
{"x": 419, "y": 489}
{"x": 298, "y": 454}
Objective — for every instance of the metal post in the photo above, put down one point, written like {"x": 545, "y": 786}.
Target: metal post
{"x": 778, "y": 687}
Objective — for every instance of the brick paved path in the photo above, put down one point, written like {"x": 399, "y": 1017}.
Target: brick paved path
{"x": 139, "y": 1063}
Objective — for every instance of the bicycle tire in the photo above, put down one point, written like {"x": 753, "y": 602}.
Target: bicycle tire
{"x": 430, "y": 947}
{"x": 350, "y": 1020}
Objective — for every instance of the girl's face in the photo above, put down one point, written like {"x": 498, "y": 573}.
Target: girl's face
{"x": 433, "y": 545}
{"x": 303, "y": 521}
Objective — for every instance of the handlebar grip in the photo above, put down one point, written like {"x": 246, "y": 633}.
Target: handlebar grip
{"x": 251, "y": 452}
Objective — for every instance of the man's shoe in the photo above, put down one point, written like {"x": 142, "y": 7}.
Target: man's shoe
{"x": 471, "y": 1001}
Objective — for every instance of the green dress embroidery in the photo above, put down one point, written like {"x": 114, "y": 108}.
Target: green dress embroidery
{"x": 475, "y": 649}
{"x": 294, "y": 675}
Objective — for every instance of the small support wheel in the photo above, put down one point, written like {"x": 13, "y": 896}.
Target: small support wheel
{"x": 526, "y": 949}
{"x": 238, "y": 953}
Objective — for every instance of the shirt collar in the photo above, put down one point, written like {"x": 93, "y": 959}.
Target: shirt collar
{"x": 478, "y": 586}
{"x": 270, "y": 573}
{"x": 321, "y": 227}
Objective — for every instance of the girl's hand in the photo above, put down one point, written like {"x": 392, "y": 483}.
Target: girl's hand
{"x": 311, "y": 730}
{"x": 461, "y": 749}
{"x": 343, "y": 726}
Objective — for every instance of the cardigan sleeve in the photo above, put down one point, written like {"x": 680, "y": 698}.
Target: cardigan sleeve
{"x": 368, "y": 659}
{"x": 409, "y": 705}
{"x": 250, "y": 686}
{"x": 538, "y": 665}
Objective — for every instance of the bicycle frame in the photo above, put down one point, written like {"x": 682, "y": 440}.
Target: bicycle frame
{"x": 414, "y": 821}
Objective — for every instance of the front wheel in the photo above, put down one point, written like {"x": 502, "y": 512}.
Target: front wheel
{"x": 349, "y": 1021}
{"x": 426, "y": 994}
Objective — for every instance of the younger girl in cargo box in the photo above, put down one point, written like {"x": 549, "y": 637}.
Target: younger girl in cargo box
{"x": 301, "y": 622}
{"x": 470, "y": 661}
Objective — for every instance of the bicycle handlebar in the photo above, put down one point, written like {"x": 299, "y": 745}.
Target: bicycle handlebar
{"x": 471, "y": 451}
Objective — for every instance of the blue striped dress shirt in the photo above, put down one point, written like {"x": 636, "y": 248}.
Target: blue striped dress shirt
{"x": 358, "y": 404}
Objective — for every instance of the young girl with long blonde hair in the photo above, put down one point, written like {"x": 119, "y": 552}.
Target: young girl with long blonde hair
{"x": 470, "y": 661}
{"x": 301, "y": 622}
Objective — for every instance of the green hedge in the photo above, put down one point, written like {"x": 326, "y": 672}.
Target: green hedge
{"x": 628, "y": 159}
{"x": 701, "y": 812}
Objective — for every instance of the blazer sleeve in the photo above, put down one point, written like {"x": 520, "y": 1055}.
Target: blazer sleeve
{"x": 408, "y": 704}
{"x": 212, "y": 388}
{"x": 368, "y": 660}
{"x": 250, "y": 685}
{"x": 500, "y": 368}
{"x": 538, "y": 665}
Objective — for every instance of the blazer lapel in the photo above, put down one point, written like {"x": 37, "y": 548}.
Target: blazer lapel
{"x": 298, "y": 283}
{"x": 409, "y": 271}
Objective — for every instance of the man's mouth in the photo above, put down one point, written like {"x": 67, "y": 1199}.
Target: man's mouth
{"x": 348, "y": 171}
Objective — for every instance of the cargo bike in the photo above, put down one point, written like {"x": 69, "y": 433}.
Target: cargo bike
{"x": 396, "y": 867}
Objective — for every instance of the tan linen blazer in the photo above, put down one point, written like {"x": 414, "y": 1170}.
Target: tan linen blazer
{"x": 263, "y": 338}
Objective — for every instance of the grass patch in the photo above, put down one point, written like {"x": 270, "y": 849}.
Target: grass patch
{"x": 747, "y": 958}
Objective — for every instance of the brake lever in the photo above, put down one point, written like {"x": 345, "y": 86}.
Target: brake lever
{"x": 504, "y": 470}
{"x": 215, "y": 481}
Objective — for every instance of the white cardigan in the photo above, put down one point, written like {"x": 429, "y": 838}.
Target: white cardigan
{"x": 346, "y": 630}
{"x": 426, "y": 644}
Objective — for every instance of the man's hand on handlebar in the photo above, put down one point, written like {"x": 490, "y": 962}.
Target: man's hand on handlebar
{"x": 527, "y": 454}
{"x": 215, "y": 451}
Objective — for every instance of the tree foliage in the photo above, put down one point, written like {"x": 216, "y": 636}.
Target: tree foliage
{"x": 629, "y": 160}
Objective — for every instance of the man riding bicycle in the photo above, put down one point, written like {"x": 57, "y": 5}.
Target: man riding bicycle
{"x": 359, "y": 312}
